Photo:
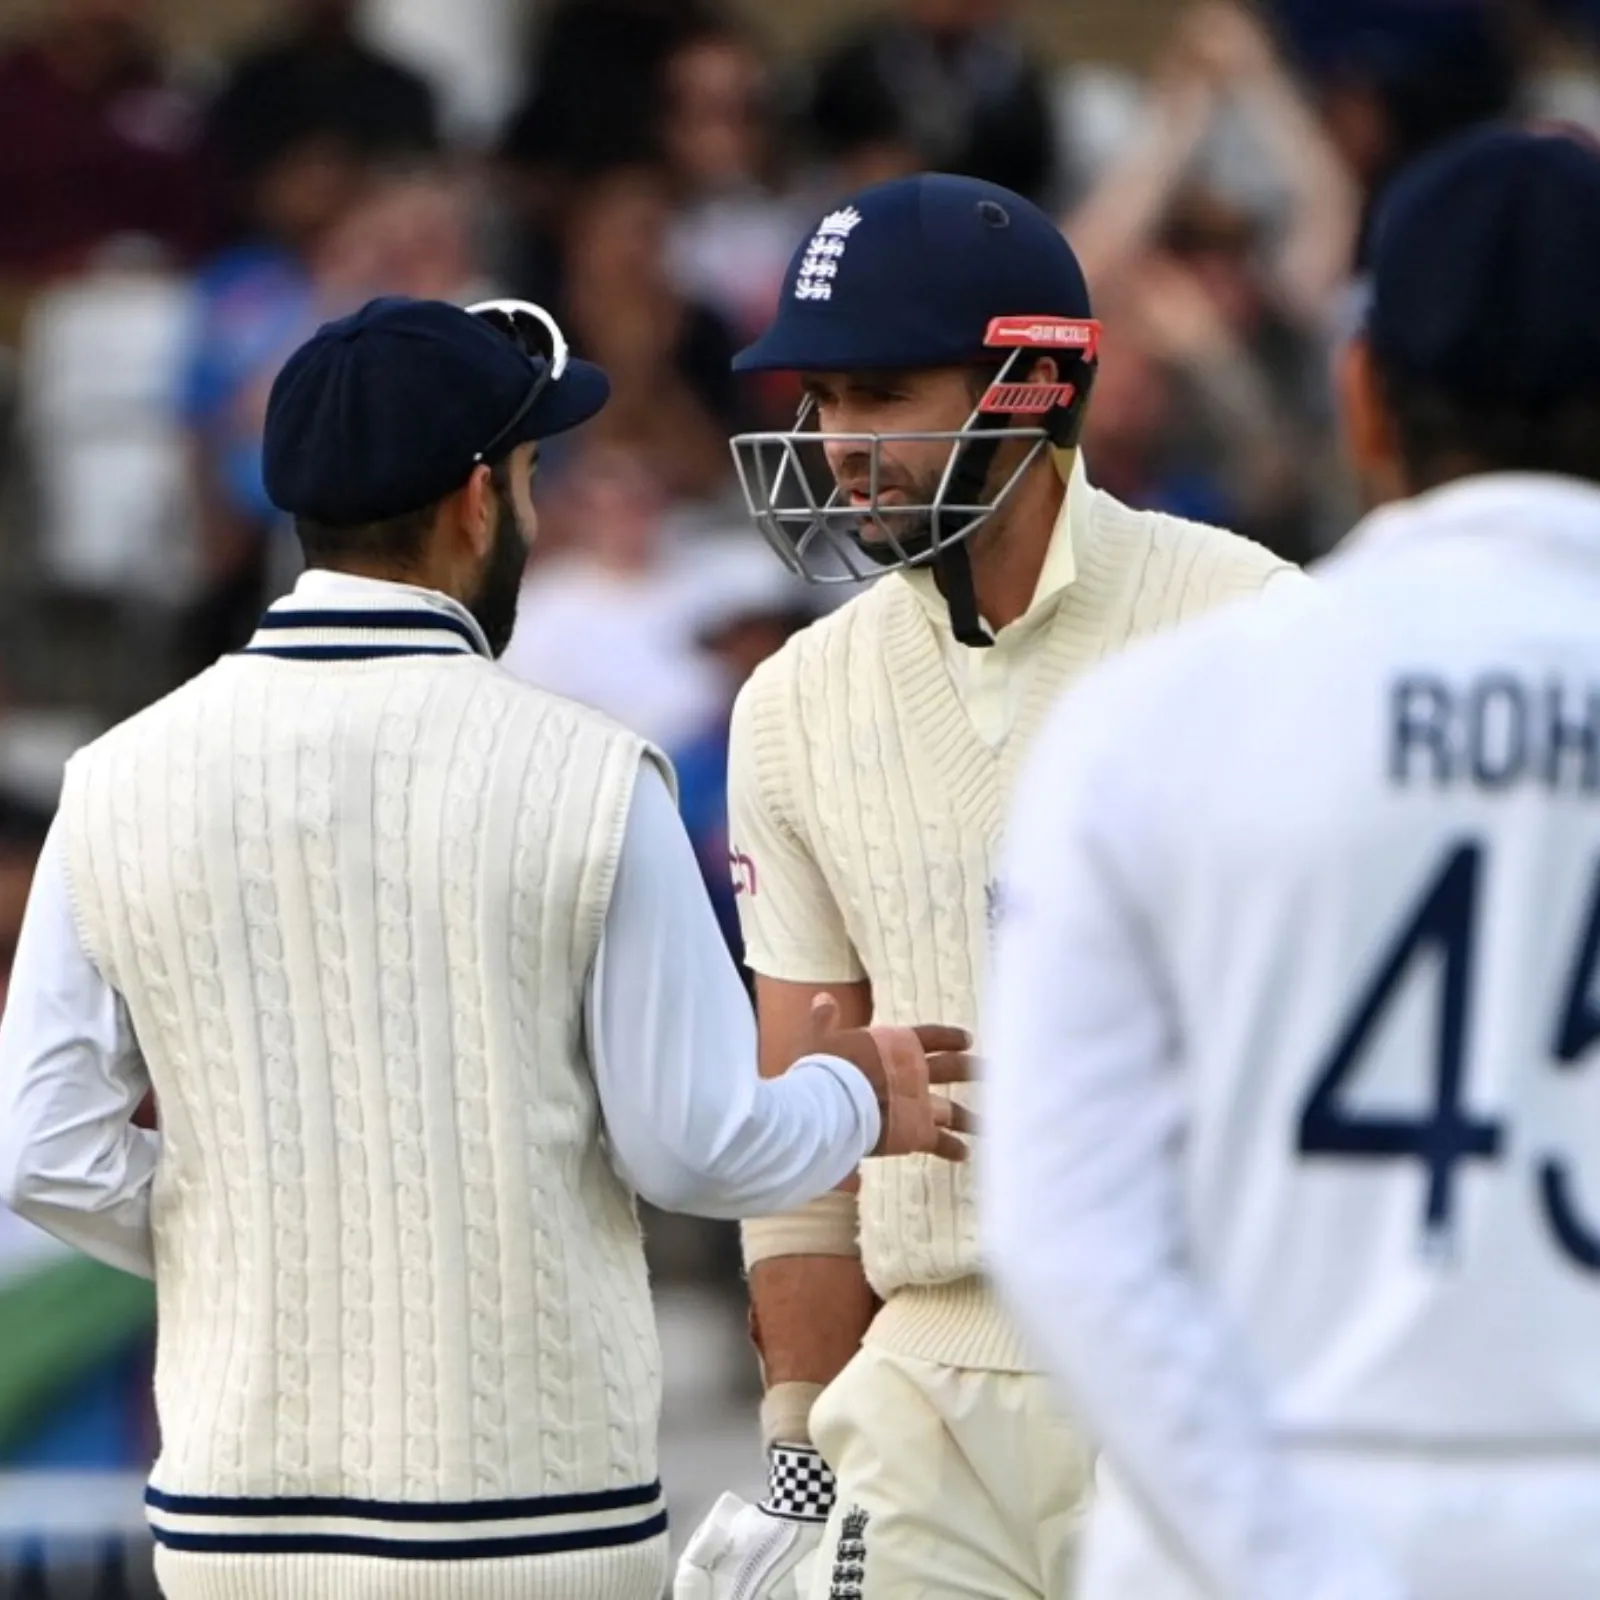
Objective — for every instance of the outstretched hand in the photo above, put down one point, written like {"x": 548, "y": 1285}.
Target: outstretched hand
{"x": 902, "y": 1064}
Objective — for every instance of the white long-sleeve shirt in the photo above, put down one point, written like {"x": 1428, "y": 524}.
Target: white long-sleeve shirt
{"x": 1291, "y": 1159}
{"x": 671, "y": 1038}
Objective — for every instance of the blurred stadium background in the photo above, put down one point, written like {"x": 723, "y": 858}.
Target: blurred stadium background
{"x": 187, "y": 187}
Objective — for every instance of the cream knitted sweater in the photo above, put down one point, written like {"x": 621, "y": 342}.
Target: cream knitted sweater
{"x": 350, "y": 884}
{"x": 867, "y": 811}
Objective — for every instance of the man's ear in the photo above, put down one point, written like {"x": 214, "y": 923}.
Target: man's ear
{"x": 1045, "y": 369}
{"x": 470, "y": 514}
{"x": 1368, "y": 423}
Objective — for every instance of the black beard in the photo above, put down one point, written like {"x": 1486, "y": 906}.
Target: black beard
{"x": 918, "y": 541}
{"x": 885, "y": 554}
{"x": 494, "y": 606}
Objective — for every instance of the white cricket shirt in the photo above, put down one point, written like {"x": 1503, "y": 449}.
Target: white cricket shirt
{"x": 1293, "y": 1133}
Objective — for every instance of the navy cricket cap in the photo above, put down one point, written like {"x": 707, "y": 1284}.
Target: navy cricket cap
{"x": 1486, "y": 267}
{"x": 389, "y": 410}
{"x": 910, "y": 273}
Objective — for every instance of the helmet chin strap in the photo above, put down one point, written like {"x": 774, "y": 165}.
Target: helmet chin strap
{"x": 952, "y": 575}
{"x": 952, "y": 566}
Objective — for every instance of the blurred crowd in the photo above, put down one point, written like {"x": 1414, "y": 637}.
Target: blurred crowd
{"x": 166, "y": 239}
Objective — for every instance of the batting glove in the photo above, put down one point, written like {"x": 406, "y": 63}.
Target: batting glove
{"x": 765, "y": 1551}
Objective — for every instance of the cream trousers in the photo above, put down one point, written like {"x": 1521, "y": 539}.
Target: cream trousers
{"x": 951, "y": 1482}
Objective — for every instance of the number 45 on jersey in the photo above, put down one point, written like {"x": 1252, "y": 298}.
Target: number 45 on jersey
{"x": 1444, "y": 925}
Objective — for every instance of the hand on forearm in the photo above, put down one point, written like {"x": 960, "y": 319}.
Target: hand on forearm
{"x": 900, "y": 1065}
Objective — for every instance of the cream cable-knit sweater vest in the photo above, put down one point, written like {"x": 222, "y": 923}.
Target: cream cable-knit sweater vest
{"x": 350, "y": 884}
{"x": 864, "y": 753}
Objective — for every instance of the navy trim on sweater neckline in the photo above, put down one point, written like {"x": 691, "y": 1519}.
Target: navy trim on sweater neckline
{"x": 319, "y": 633}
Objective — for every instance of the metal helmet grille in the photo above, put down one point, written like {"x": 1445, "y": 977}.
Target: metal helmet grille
{"x": 791, "y": 494}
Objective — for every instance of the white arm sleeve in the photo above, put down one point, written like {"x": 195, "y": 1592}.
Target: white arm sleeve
{"x": 71, "y": 1078}
{"x": 692, "y": 1125}
{"x": 1084, "y": 1218}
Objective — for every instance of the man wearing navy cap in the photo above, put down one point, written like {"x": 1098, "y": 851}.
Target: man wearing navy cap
{"x": 1293, "y": 1020}
{"x": 418, "y": 964}
{"x": 943, "y": 332}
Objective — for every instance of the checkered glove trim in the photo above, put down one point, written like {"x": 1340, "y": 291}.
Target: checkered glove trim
{"x": 799, "y": 1484}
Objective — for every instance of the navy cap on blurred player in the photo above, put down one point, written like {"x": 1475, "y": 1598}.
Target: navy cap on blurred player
{"x": 1487, "y": 266}
{"x": 389, "y": 410}
{"x": 1483, "y": 334}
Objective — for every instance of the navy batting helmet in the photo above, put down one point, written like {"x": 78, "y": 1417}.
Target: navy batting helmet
{"x": 920, "y": 272}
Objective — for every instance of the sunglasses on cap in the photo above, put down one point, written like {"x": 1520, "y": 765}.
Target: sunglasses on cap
{"x": 536, "y": 334}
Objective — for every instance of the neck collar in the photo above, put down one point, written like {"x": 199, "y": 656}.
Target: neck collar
{"x": 1526, "y": 506}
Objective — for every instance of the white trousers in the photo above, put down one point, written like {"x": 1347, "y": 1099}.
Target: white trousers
{"x": 628, "y": 1572}
{"x": 1462, "y": 1527}
{"x": 951, "y": 1482}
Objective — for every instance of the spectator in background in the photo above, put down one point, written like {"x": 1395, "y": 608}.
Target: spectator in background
{"x": 253, "y": 305}
{"x": 675, "y": 184}
{"x": 593, "y": 101}
{"x": 1236, "y": 305}
{"x": 340, "y": 235}
{"x": 746, "y": 607}
{"x": 669, "y": 357}
{"x": 944, "y": 85}
{"x": 597, "y": 56}
{"x": 321, "y": 84}
{"x": 1395, "y": 77}
{"x": 733, "y": 234}
{"x": 1144, "y": 448}
{"x": 96, "y": 140}
{"x": 608, "y": 619}
{"x": 409, "y": 232}
{"x": 1220, "y": 58}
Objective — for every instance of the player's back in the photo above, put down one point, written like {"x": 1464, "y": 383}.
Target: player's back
{"x": 349, "y": 899}
{"x": 1382, "y": 952}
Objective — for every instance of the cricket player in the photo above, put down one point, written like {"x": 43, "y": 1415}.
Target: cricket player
{"x": 944, "y": 336}
{"x": 1295, "y": 1002}
{"x": 417, "y": 960}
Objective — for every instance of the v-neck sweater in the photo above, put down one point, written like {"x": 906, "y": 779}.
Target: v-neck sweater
{"x": 867, "y": 808}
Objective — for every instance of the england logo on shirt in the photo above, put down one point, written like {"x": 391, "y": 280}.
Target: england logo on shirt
{"x": 820, "y": 264}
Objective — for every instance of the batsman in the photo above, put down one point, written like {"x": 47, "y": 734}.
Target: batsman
{"x": 943, "y": 334}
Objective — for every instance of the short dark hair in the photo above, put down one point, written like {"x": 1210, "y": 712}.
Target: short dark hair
{"x": 395, "y": 541}
{"x": 1443, "y": 434}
